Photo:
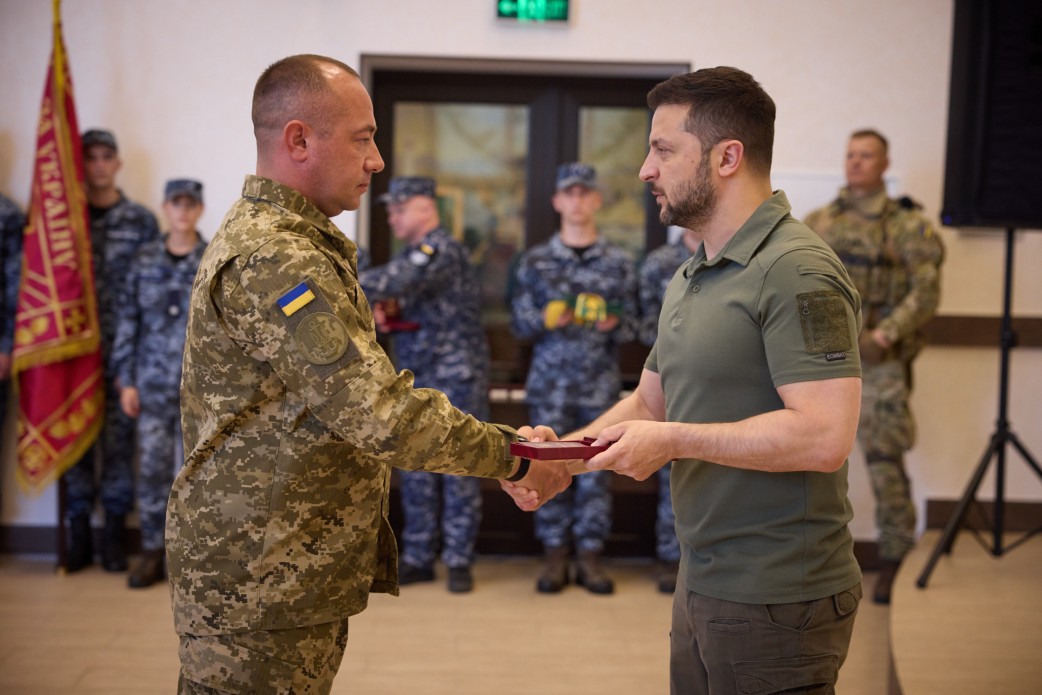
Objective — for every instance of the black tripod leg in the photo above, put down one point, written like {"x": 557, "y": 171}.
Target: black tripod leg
{"x": 951, "y": 528}
{"x": 1024, "y": 453}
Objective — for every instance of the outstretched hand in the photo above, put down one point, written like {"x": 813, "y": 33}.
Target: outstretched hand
{"x": 545, "y": 479}
{"x": 638, "y": 449}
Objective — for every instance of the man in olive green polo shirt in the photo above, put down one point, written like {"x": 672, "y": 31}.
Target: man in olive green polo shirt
{"x": 753, "y": 388}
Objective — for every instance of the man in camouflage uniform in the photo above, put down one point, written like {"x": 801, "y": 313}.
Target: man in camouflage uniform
{"x": 893, "y": 256}
{"x": 118, "y": 228}
{"x": 292, "y": 414}
{"x": 436, "y": 291}
{"x": 575, "y": 297}
{"x": 656, "y": 271}
{"x": 12, "y": 228}
{"x": 146, "y": 357}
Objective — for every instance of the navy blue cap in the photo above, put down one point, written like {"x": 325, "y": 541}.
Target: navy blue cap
{"x": 96, "y": 136}
{"x": 188, "y": 187}
{"x": 402, "y": 188}
{"x": 574, "y": 173}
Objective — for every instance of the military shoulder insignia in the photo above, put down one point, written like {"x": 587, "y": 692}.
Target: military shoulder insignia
{"x": 296, "y": 299}
{"x": 320, "y": 335}
{"x": 422, "y": 256}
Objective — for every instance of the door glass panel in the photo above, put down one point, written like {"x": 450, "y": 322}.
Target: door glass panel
{"x": 477, "y": 154}
{"x": 614, "y": 140}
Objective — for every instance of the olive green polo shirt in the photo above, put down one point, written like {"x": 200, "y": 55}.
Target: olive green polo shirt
{"x": 774, "y": 307}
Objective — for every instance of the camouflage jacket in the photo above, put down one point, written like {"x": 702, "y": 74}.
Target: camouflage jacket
{"x": 12, "y": 227}
{"x": 437, "y": 288}
{"x": 292, "y": 419}
{"x": 151, "y": 320}
{"x": 893, "y": 255}
{"x": 116, "y": 233}
{"x": 578, "y": 365}
{"x": 656, "y": 271}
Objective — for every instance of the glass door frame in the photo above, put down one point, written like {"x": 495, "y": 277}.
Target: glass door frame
{"x": 554, "y": 91}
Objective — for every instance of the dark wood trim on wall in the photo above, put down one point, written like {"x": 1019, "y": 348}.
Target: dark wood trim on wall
{"x": 981, "y": 331}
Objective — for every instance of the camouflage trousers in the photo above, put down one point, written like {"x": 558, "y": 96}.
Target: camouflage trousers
{"x": 667, "y": 548}
{"x": 455, "y": 500}
{"x": 115, "y": 451}
{"x": 283, "y": 662}
{"x": 159, "y": 459}
{"x": 885, "y": 432}
{"x": 582, "y": 513}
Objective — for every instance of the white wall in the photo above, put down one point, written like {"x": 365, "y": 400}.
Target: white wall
{"x": 173, "y": 79}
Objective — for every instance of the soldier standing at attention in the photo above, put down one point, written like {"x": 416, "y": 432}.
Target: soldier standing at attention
{"x": 575, "y": 297}
{"x": 12, "y": 229}
{"x": 437, "y": 293}
{"x": 292, "y": 414}
{"x": 118, "y": 228}
{"x": 656, "y": 271}
{"x": 894, "y": 257}
{"x": 146, "y": 356}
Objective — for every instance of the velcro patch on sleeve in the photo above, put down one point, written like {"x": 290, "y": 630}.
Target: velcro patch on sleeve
{"x": 823, "y": 318}
{"x": 318, "y": 332}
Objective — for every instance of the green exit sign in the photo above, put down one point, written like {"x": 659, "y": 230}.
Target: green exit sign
{"x": 533, "y": 10}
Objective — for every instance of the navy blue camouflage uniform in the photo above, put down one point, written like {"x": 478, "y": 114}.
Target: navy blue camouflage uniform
{"x": 116, "y": 234}
{"x": 146, "y": 355}
{"x": 574, "y": 375}
{"x": 12, "y": 227}
{"x": 656, "y": 271}
{"x": 437, "y": 288}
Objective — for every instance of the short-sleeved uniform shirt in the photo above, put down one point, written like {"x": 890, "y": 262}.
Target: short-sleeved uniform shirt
{"x": 774, "y": 307}
{"x": 292, "y": 419}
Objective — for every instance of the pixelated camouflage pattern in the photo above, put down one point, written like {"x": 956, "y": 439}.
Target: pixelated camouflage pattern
{"x": 886, "y": 431}
{"x": 12, "y": 228}
{"x": 158, "y": 436}
{"x": 893, "y": 256}
{"x": 895, "y": 510}
{"x": 654, "y": 275}
{"x": 147, "y": 352}
{"x": 116, "y": 233}
{"x": 576, "y": 365}
{"x": 656, "y": 271}
{"x": 279, "y": 517}
{"x": 437, "y": 288}
{"x": 285, "y": 662}
{"x": 151, "y": 321}
{"x": 364, "y": 259}
{"x": 582, "y": 514}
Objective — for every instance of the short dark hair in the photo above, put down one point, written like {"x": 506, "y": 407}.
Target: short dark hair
{"x": 723, "y": 103}
{"x": 872, "y": 133}
{"x": 294, "y": 87}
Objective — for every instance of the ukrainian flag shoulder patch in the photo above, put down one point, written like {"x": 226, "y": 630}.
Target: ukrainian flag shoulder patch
{"x": 296, "y": 299}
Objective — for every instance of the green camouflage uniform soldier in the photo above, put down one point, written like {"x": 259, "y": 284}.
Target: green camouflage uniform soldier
{"x": 893, "y": 256}
{"x": 277, "y": 526}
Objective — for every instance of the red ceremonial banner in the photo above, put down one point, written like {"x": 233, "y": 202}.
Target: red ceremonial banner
{"x": 57, "y": 351}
